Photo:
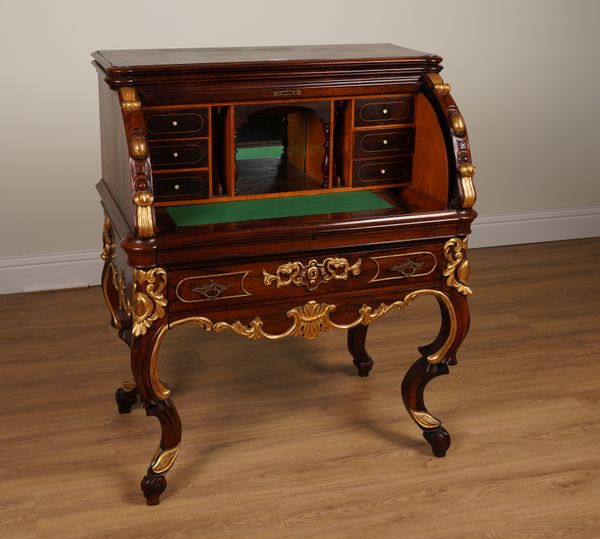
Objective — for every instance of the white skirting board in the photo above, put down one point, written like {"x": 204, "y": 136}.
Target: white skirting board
{"x": 82, "y": 268}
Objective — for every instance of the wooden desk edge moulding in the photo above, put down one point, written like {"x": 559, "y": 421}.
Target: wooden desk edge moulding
{"x": 200, "y": 145}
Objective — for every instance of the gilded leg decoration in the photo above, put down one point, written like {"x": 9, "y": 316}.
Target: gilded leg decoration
{"x": 356, "y": 346}
{"x": 126, "y": 396}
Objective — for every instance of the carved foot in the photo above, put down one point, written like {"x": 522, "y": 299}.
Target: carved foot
{"x": 364, "y": 365}
{"x": 356, "y": 346}
{"x": 153, "y": 485}
{"x": 439, "y": 440}
{"x": 126, "y": 397}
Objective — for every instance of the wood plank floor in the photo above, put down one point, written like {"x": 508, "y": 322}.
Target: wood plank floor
{"x": 282, "y": 440}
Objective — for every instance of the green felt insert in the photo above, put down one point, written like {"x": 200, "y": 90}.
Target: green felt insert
{"x": 271, "y": 208}
{"x": 259, "y": 152}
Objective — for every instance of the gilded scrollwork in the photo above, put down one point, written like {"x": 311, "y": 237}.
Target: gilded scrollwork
{"x": 308, "y": 321}
{"x": 440, "y": 87}
{"x": 108, "y": 243}
{"x": 144, "y": 216}
{"x": 129, "y": 99}
{"x": 149, "y": 299}
{"x": 457, "y": 266}
{"x": 466, "y": 173}
{"x": 312, "y": 274}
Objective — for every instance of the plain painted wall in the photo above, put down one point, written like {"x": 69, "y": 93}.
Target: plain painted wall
{"x": 523, "y": 73}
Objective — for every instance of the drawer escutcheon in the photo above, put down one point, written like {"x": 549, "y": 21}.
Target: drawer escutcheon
{"x": 212, "y": 287}
{"x": 312, "y": 274}
{"x": 405, "y": 266}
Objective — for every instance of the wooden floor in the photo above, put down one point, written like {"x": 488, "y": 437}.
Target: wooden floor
{"x": 282, "y": 440}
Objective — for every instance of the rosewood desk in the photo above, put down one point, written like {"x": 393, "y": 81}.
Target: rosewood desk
{"x": 280, "y": 192}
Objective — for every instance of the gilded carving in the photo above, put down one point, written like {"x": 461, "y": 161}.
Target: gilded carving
{"x": 149, "y": 299}
{"x": 440, "y": 87}
{"x": 457, "y": 123}
{"x": 457, "y": 266}
{"x": 425, "y": 419}
{"x": 313, "y": 318}
{"x": 138, "y": 146}
{"x": 108, "y": 243}
{"x": 128, "y": 385}
{"x": 312, "y": 274}
{"x": 144, "y": 217}
{"x": 163, "y": 459}
{"x": 308, "y": 321}
{"x": 129, "y": 99}
{"x": 467, "y": 172}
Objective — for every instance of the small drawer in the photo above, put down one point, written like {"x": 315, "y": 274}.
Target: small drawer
{"x": 376, "y": 143}
{"x": 181, "y": 186}
{"x": 179, "y": 154}
{"x": 374, "y": 171}
{"x": 177, "y": 123}
{"x": 391, "y": 110}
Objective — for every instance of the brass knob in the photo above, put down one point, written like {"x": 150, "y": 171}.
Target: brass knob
{"x": 175, "y": 154}
{"x": 384, "y": 111}
{"x": 385, "y": 141}
{"x": 382, "y": 171}
{"x": 174, "y": 123}
{"x": 176, "y": 187}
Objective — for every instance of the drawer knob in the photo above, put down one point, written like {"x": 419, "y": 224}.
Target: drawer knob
{"x": 385, "y": 111}
{"x": 176, "y": 187}
{"x": 382, "y": 171}
{"x": 175, "y": 154}
{"x": 385, "y": 141}
{"x": 174, "y": 123}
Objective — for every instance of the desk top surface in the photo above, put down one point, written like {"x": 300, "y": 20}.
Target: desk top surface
{"x": 144, "y": 60}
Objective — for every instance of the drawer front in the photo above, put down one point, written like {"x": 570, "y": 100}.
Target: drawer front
{"x": 374, "y": 171}
{"x": 179, "y": 154}
{"x": 181, "y": 186}
{"x": 391, "y": 110}
{"x": 177, "y": 123}
{"x": 384, "y": 142}
{"x": 302, "y": 278}
{"x": 394, "y": 267}
{"x": 201, "y": 288}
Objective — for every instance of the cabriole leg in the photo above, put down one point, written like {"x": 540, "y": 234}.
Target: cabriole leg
{"x": 357, "y": 337}
{"x": 155, "y": 399}
{"x": 424, "y": 370}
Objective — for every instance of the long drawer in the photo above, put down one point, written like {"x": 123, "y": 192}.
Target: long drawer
{"x": 304, "y": 277}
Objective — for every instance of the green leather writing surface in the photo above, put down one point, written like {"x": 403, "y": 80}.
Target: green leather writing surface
{"x": 271, "y": 208}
